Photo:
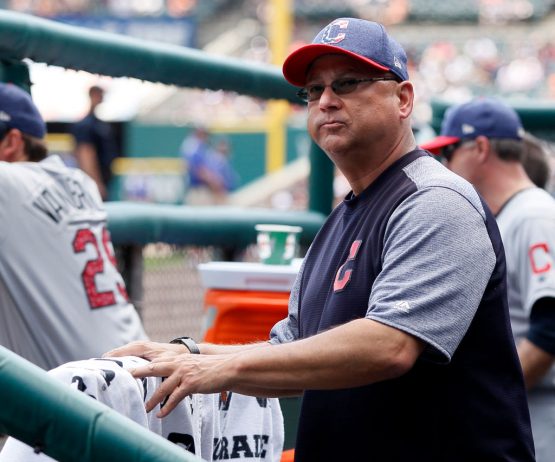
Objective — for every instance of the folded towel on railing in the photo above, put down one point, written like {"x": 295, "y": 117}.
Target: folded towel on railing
{"x": 212, "y": 426}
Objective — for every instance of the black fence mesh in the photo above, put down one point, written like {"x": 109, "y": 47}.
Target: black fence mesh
{"x": 165, "y": 286}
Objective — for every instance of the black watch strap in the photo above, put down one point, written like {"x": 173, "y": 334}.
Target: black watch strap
{"x": 189, "y": 343}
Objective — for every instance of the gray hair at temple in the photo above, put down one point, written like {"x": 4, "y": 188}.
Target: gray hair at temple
{"x": 536, "y": 160}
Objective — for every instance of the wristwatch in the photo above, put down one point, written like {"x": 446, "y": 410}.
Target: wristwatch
{"x": 189, "y": 343}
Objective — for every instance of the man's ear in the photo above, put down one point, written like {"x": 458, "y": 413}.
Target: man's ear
{"x": 483, "y": 148}
{"x": 406, "y": 98}
{"x": 12, "y": 147}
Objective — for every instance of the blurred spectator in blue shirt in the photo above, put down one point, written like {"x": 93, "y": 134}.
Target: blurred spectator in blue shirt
{"x": 210, "y": 176}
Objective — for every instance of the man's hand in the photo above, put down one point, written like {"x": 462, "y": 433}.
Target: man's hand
{"x": 185, "y": 374}
{"x": 148, "y": 350}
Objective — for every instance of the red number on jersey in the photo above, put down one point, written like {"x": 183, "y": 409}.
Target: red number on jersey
{"x": 106, "y": 242}
{"x": 97, "y": 299}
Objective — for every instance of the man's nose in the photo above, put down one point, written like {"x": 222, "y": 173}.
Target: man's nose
{"x": 329, "y": 98}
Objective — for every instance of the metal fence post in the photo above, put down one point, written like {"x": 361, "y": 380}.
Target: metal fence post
{"x": 320, "y": 183}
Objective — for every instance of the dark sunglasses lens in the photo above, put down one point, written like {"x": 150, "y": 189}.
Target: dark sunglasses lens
{"x": 344, "y": 86}
{"x": 447, "y": 151}
{"x": 3, "y": 130}
{"x": 303, "y": 94}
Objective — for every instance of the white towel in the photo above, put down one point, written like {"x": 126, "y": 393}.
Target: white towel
{"x": 213, "y": 426}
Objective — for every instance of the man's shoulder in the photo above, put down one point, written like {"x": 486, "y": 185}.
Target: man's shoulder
{"x": 527, "y": 206}
{"x": 14, "y": 169}
{"x": 432, "y": 177}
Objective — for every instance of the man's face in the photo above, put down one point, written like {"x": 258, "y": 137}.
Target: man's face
{"x": 348, "y": 123}
{"x": 461, "y": 159}
{"x": 97, "y": 97}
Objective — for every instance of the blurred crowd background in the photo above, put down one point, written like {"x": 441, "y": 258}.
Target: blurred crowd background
{"x": 456, "y": 50}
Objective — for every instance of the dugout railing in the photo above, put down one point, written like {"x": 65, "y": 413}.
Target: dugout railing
{"x": 69, "y": 425}
{"x": 42, "y": 412}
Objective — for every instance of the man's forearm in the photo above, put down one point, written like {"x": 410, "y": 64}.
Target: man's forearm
{"x": 355, "y": 354}
{"x": 88, "y": 162}
{"x": 535, "y": 362}
{"x": 216, "y": 349}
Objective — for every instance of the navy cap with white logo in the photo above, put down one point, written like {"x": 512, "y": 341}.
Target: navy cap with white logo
{"x": 17, "y": 110}
{"x": 480, "y": 117}
{"x": 365, "y": 41}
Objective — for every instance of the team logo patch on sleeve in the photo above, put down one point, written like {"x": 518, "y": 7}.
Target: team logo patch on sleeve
{"x": 540, "y": 258}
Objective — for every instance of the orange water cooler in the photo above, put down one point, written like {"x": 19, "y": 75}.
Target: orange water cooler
{"x": 244, "y": 300}
{"x": 242, "y": 303}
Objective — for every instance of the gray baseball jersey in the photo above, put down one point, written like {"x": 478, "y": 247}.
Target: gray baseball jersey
{"x": 527, "y": 226}
{"x": 61, "y": 296}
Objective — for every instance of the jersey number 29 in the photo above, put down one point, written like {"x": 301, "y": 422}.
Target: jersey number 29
{"x": 96, "y": 266}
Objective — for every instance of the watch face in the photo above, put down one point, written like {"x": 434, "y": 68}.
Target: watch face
{"x": 189, "y": 343}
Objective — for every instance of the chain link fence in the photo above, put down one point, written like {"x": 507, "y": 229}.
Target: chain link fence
{"x": 165, "y": 285}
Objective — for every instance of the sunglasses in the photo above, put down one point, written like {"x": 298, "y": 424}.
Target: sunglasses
{"x": 3, "y": 129}
{"x": 339, "y": 87}
{"x": 448, "y": 151}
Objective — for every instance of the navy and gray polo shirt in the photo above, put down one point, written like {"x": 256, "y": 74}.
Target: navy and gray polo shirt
{"x": 418, "y": 250}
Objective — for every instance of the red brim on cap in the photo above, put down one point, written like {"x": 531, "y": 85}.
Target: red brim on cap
{"x": 297, "y": 63}
{"x": 435, "y": 145}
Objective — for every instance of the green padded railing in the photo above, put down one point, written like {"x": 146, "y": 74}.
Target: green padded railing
{"x": 136, "y": 223}
{"x": 42, "y": 40}
{"x": 67, "y": 425}
{"x": 23, "y": 36}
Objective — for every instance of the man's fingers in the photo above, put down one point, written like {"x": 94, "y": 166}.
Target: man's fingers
{"x": 147, "y": 350}
{"x": 153, "y": 369}
{"x": 167, "y": 395}
{"x": 179, "y": 394}
{"x": 160, "y": 395}
{"x": 131, "y": 349}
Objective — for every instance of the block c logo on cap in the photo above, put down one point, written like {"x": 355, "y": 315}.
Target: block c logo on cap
{"x": 339, "y": 37}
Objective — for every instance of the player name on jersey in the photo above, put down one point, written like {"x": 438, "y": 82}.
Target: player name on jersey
{"x": 58, "y": 200}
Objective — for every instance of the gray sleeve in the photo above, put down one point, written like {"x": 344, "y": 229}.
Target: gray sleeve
{"x": 5, "y": 196}
{"x": 287, "y": 330}
{"x": 532, "y": 256}
{"x": 436, "y": 263}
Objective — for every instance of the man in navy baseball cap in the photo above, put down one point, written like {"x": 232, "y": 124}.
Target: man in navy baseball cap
{"x": 483, "y": 142}
{"x": 365, "y": 41}
{"x": 401, "y": 290}
{"x": 17, "y": 110}
{"x": 487, "y": 117}
{"x": 22, "y": 128}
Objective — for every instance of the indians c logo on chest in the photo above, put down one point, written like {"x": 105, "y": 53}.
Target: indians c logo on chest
{"x": 345, "y": 271}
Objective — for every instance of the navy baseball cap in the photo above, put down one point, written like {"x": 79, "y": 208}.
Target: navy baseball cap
{"x": 365, "y": 41}
{"x": 479, "y": 117}
{"x": 17, "y": 110}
